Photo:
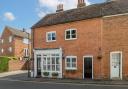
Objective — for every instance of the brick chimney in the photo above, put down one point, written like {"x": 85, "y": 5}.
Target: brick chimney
{"x": 81, "y": 3}
{"x": 59, "y": 8}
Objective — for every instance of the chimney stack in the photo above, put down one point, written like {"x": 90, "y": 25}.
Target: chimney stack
{"x": 81, "y": 3}
{"x": 59, "y": 8}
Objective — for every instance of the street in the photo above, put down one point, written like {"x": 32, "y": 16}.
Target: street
{"x": 13, "y": 84}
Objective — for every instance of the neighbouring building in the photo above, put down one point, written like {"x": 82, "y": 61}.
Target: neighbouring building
{"x": 15, "y": 43}
{"x": 88, "y": 42}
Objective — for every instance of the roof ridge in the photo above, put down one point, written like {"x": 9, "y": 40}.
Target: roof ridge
{"x": 88, "y": 12}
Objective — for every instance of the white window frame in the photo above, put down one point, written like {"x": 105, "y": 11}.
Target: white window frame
{"x": 25, "y": 40}
{"x": 71, "y": 68}
{"x": 26, "y": 52}
{"x": 51, "y": 36}
{"x": 10, "y": 49}
{"x": 10, "y": 39}
{"x": 70, "y": 34}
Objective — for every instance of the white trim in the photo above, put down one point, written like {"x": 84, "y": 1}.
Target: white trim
{"x": 120, "y": 63}
{"x": 41, "y": 52}
{"x": 70, "y": 30}
{"x": 115, "y": 15}
{"x": 66, "y": 63}
{"x": 92, "y": 65}
{"x": 50, "y": 33}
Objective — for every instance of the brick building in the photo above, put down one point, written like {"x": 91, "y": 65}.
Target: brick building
{"x": 88, "y": 42}
{"x": 14, "y": 43}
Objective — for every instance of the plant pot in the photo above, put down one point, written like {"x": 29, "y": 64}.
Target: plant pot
{"x": 46, "y": 74}
{"x": 55, "y": 75}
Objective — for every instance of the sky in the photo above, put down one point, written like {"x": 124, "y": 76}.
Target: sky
{"x": 24, "y": 13}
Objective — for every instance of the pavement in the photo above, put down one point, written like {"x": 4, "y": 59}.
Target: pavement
{"x": 5, "y": 74}
{"x": 22, "y": 76}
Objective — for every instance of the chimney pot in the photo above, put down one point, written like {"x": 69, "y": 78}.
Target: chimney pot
{"x": 59, "y": 8}
{"x": 81, "y": 3}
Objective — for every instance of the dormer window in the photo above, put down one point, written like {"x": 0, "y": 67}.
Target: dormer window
{"x": 70, "y": 34}
{"x": 50, "y": 36}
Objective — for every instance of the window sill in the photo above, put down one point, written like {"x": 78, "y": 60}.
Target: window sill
{"x": 71, "y": 39}
{"x": 68, "y": 69}
{"x": 51, "y": 41}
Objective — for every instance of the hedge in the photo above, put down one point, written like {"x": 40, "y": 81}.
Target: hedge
{"x": 4, "y": 64}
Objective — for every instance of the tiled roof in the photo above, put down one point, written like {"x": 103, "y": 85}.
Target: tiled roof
{"x": 88, "y": 12}
{"x": 18, "y": 32}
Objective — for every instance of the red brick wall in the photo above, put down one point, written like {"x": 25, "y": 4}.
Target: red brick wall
{"x": 19, "y": 47}
{"x": 115, "y": 38}
{"x": 15, "y": 65}
{"x": 6, "y": 44}
{"x": 87, "y": 43}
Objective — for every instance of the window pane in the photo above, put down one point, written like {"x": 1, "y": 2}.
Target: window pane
{"x": 53, "y": 67}
{"x": 68, "y": 36}
{"x": 53, "y": 36}
{"x": 57, "y": 60}
{"x": 67, "y": 32}
{"x": 48, "y": 67}
{"x": 68, "y": 60}
{"x": 44, "y": 61}
{"x": 68, "y": 65}
{"x": 44, "y": 67}
{"x": 73, "y": 31}
{"x": 73, "y": 65}
{"x": 49, "y": 36}
{"x": 48, "y": 60}
{"x": 57, "y": 67}
{"x": 53, "y": 60}
{"x": 73, "y": 36}
{"x": 73, "y": 59}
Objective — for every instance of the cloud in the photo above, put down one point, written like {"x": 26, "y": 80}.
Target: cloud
{"x": 49, "y": 6}
{"x": 9, "y": 16}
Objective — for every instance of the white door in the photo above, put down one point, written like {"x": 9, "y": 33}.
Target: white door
{"x": 115, "y": 60}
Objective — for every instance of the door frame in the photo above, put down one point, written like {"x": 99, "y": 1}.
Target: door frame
{"x": 92, "y": 65}
{"x": 120, "y": 64}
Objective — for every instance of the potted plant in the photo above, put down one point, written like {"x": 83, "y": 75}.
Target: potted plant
{"x": 46, "y": 74}
{"x": 55, "y": 74}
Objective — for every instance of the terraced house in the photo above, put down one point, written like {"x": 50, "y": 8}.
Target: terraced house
{"x": 87, "y": 42}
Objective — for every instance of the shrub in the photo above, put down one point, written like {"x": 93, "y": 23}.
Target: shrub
{"x": 46, "y": 73}
{"x": 55, "y": 74}
{"x": 4, "y": 64}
